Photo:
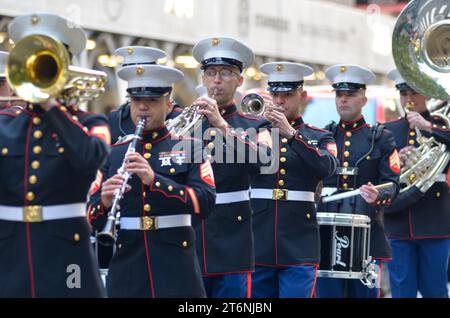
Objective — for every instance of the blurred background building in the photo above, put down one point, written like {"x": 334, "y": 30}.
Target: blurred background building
{"x": 319, "y": 33}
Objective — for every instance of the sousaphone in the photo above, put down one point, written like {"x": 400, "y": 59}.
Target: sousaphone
{"x": 421, "y": 51}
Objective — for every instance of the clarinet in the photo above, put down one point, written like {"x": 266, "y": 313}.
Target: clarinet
{"x": 107, "y": 236}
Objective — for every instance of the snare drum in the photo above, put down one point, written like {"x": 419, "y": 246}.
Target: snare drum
{"x": 345, "y": 245}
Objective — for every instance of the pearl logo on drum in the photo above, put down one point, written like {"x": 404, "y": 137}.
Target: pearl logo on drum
{"x": 341, "y": 243}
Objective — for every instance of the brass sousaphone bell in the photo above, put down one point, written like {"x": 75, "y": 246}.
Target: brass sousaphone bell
{"x": 421, "y": 47}
{"x": 421, "y": 51}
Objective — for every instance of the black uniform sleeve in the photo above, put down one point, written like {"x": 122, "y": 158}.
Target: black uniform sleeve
{"x": 441, "y": 134}
{"x": 197, "y": 193}
{"x": 389, "y": 169}
{"x": 84, "y": 141}
{"x": 321, "y": 158}
{"x": 404, "y": 199}
{"x": 96, "y": 211}
{"x": 251, "y": 148}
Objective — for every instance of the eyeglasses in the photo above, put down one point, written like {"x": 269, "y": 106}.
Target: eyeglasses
{"x": 225, "y": 73}
{"x": 146, "y": 100}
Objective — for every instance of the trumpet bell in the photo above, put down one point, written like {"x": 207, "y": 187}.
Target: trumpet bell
{"x": 421, "y": 47}
{"x": 37, "y": 68}
{"x": 253, "y": 103}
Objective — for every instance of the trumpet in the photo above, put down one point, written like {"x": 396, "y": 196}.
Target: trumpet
{"x": 187, "y": 121}
{"x": 253, "y": 103}
{"x": 107, "y": 236}
{"x": 38, "y": 69}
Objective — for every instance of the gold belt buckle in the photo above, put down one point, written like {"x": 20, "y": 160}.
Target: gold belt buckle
{"x": 148, "y": 223}
{"x": 279, "y": 194}
{"x": 32, "y": 213}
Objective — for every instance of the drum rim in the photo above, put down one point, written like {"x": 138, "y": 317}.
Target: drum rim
{"x": 340, "y": 274}
{"x": 343, "y": 219}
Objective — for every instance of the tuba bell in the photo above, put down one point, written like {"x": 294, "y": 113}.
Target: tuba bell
{"x": 38, "y": 69}
{"x": 421, "y": 47}
{"x": 421, "y": 51}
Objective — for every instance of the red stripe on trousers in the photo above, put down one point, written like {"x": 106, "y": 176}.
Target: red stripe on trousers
{"x": 249, "y": 285}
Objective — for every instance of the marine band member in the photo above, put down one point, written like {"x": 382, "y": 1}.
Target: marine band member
{"x": 368, "y": 157}
{"x": 155, "y": 250}
{"x": 418, "y": 221}
{"x": 287, "y": 247}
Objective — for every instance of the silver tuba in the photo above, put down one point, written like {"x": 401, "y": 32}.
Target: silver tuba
{"x": 421, "y": 51}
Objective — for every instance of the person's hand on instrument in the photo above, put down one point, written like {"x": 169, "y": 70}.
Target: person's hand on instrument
{"x": 109, "y": 188}
{"x": 369, "y": 193}
{"x": 138, "y": 165}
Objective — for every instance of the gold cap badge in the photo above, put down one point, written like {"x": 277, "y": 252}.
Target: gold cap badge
{"x": 215, "y": 42}
{"x": 140, "y": 70}
{"x": 34, "y": 19}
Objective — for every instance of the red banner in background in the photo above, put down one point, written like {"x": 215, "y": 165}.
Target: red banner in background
{"x": 392, "y": 9}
